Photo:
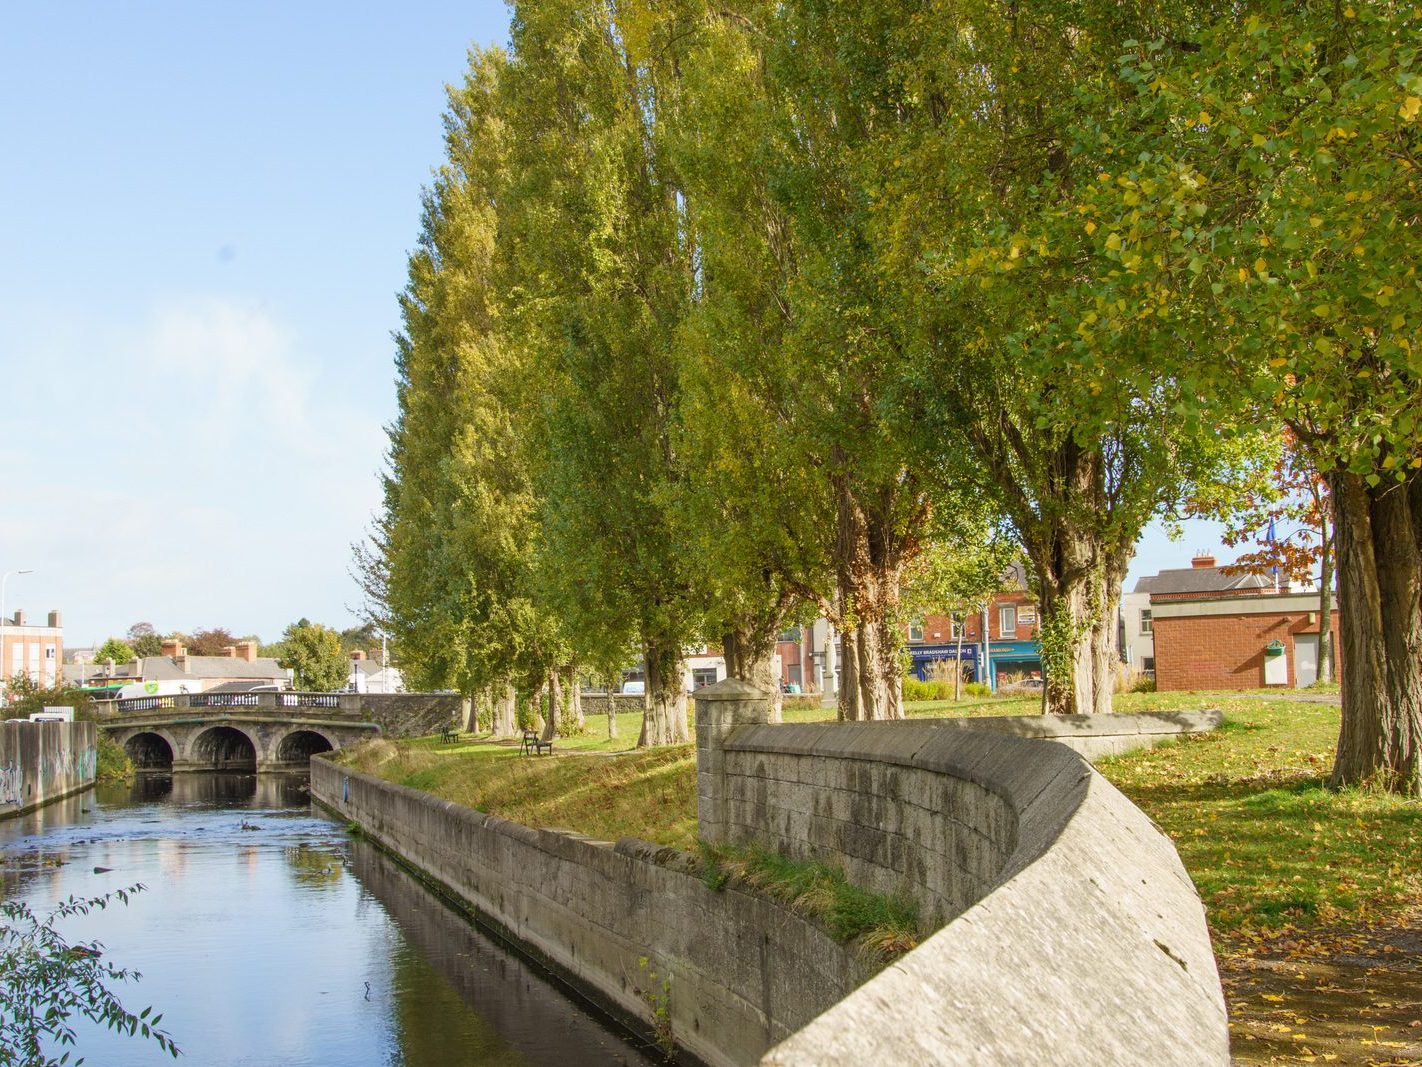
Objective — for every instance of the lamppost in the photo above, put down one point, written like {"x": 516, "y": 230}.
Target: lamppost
{"x": 3, "y": 579}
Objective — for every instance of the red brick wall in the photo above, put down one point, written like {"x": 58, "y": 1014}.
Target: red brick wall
{"x": 1227, "y": 651}
{"x": 972, "y": 631}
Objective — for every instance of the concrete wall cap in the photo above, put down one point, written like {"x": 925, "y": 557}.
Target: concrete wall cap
{"x": 732, "y": 689}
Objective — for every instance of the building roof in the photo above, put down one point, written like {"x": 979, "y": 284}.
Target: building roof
{"x": 1200, "y": 580}
{"x": 234, "y": 668}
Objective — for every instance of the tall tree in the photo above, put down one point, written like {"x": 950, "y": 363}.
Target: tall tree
{"x": 450, "y": 567}
{"x": 961, "y": 258}
{"x": 313, "y": 653}
{"x": 1286, "y": 141}
{"x": 599, "y": 269}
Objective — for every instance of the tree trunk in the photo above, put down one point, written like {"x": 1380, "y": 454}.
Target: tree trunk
{"x": 1068, "y": 655}
{"x": 1378, "y": 537}
{"x": 664, "y": 697}
{"x": 751, "y": 658}
{"x": 469, "y": 714}
{"x": 555, "y": 698}
{"x": 573, "y": 705}
{"x": 878, "y": 674}
{"x": 504, "y": 710}
{"x": 1104, "y": 650}
{"x": 535, "y": 705}
{"x": 611, "y": 706}
{"x": 870, "y": 552}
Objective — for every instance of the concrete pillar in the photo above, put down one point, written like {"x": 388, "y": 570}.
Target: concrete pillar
{"x": 720, "y": 708}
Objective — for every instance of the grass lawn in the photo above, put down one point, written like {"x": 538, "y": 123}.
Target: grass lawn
{"x": 1314, "y": 898}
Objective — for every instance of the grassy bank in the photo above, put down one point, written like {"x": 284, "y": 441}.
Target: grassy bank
{"x": 1312, "y": 895}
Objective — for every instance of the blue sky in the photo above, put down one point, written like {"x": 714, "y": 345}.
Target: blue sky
{"x": 206, "y": 214}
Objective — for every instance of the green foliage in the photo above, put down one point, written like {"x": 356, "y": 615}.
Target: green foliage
{"x": 314, "y": 653}
{"x": 112, "y": 763}
{"x": 657, "y": 996}
{"x": 209, "y": 642}
{"x": 45, "y": 983}
{"x": 115, "y": 649}
{"x": 885, "y": 925}
{"x": 24, "y": 696}
{"x": 144, "y": 640}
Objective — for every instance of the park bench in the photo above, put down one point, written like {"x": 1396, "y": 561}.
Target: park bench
{"x": 534, "y": 745}
{"x": 449, "y": 734}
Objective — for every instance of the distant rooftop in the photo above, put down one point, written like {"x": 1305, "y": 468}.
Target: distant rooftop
{"x": 1201, "y": 577}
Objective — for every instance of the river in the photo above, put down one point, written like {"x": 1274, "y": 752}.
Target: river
{"x": 268, "y": 936}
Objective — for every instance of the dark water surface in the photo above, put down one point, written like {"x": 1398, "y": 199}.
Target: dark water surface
{"x": 269, "y": 937}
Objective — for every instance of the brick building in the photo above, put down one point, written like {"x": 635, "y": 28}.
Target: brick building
{"x": 1012, "y": 652}
{"x": 1213, "y": 630}
{"x": 32, "y": 649}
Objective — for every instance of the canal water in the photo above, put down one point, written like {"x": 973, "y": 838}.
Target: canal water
{"x": 268, "y": 936}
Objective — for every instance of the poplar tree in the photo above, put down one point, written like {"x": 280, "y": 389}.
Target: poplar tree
{"x": 599, "y": 266}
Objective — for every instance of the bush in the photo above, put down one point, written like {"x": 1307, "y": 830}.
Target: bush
{"x": 978, "y": 689}
{"x": 45, "y": 982}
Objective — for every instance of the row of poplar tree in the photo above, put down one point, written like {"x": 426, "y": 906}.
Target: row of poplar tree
{"x": 726, "y": 313}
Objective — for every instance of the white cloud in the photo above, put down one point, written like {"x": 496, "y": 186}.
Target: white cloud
{"x": 190, "y": 466}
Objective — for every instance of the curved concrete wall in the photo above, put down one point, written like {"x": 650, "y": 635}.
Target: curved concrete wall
{"x": 1075, "y": 935}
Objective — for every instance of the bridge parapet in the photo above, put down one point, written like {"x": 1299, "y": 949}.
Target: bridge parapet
{"x": 344, "y": 704}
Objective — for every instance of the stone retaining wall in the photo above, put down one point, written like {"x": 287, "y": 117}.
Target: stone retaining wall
{"x": 743, "y": 972}
{"x": 1073, "y": 933}
{"x": 43, "y": 761}
{"x": 411, "y": 714}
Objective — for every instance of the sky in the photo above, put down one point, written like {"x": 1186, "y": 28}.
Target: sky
{"x": 205, "y": 216}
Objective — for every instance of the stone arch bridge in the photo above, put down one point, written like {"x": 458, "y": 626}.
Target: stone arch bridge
{"x": 235, "y": 731}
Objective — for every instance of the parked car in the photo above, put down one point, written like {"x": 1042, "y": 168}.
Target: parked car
{"x": 634, "y": 688}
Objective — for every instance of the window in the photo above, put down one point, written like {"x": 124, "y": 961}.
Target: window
{"x": 1007, "y": 620}
{"x": 49, "y": 652}
{"x": 916, "y": 630}
{"x": 702, "y": 676}
{"x": 955, "y": 627}
{"x": 1145, "y": 623}
{"x": 1148, "y": 664}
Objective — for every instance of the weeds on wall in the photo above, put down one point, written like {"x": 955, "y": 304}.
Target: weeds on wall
{"x": 885, "y": 927}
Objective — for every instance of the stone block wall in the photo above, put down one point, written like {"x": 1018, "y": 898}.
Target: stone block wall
{"x": 411, "y": 714}
{"x": 1071, "y": 932}
{"x": 43, "y": 761}
{"x": 744, "y": 973}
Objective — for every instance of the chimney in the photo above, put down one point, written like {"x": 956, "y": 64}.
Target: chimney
{"x": 358, "y": 654}
{"x": 19, "y": 616}
{"x": 1202, "y": 561}
{"x": 246, "y": 650}
{"x": 229, "y": 651}
{"x": 173, "y": 648}
{"x": 54, "y": 620}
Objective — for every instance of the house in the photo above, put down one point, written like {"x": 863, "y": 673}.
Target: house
{"x": 1010, "y": 655}
{"x": 176, "y": 671}
{"x": 32, "y": 649}
{"x": 1209, "y": 629}
{"x": 372, "y": 676}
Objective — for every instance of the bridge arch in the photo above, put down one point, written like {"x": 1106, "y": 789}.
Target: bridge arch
{"x": 301, "y": 744}
{"x": 224, "y": 748}
{"x": 150, "y": 750}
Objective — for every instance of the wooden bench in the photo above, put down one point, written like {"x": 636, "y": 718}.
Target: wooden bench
{"x": 449, "y": 734}
{"x": 534, "y": 745}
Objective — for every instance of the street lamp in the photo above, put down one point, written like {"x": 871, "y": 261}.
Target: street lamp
{"x": 3, "y": 579}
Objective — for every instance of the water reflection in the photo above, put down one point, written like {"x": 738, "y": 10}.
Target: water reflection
{"x": 267, "y": 936}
